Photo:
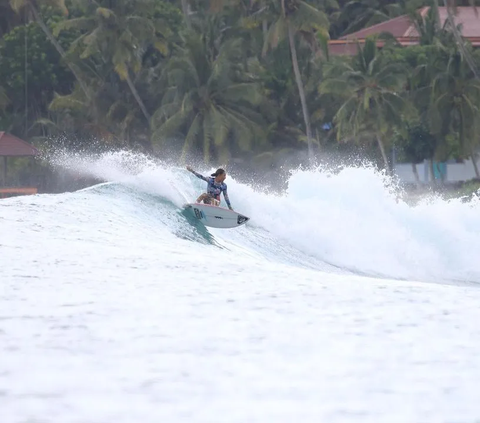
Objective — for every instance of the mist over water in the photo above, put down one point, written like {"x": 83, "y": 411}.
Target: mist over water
{"x": 352, "y": 218}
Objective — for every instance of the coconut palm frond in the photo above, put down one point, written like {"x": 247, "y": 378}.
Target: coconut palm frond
{"x": 194, "y": 130}
{"x": 82, "y": 24}
{"x": 66, "y": 102}
{"x": 309, "y": 18}
{"x": 169, "y": 127}
{"x": 249, "y": 92}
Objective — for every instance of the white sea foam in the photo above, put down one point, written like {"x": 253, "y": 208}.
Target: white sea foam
{"x": 353, "y": 218}
{"x": 113, "y": 308}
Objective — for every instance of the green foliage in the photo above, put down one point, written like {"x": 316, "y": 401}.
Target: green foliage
{"x": 369, "y": 88}
{"x": 223, "y": 79}
{"x": 119, "y": 33}
{"x": 416, "y": 143}
{"x": 210, "y": 102}
{"x": 31, "y": 70}
{"x": 358, "y": 14}
{"x": 35, "y": 62}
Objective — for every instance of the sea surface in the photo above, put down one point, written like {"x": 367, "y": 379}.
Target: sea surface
{"x": 337, "y": 302}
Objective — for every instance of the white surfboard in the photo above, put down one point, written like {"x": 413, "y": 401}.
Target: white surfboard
{"x": 216, "y": 217}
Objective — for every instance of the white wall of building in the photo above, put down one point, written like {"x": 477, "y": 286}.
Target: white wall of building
{"x": 455, "y": 171}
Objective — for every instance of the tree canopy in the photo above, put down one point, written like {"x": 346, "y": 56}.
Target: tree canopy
{"x": 228, "y": 79}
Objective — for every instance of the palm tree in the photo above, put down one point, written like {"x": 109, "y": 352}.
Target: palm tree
{"x": 450, "y": 6}
{"x": 447, "y": 97}
{"x": 283, "y": 108}
{"x": 209, "y": 100}
{"x": 358, "y": 14}
{"x": 370, "y": 89}
{"x": 296, "y": 16}
{"x": 431, "y": 32}
{"x": 32, "y": 7}
{"x": 455, "y": 101}
{"x": 108, "y": 114}
{"x": 418, "y": 140}
{"x": 120, "y": 35}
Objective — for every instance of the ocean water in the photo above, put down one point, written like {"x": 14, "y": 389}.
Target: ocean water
{"x": 337, "y": 302}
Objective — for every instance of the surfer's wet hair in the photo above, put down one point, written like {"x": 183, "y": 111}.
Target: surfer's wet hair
{"x": 218, "y": 172}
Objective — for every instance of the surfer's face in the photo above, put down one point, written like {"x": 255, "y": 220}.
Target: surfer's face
{"x": 221, "y": 177}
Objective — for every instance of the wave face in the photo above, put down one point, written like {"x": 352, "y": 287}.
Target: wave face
{"x": 350, "y": 221}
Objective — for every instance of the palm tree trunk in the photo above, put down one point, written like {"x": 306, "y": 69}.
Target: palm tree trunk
{"x": 474, "y": 161}
{"x": 138, "y": 98}
{"x": 415, "y": 173}
{"x": 301, "y": 91}
{"x": 384, "y": 155}
{"x": 185, "y": 13}
{"x": 264, "y": 23}
{"x": 458, "y": 38}
{"x": 437, "y": 14}
{"x": 59, "y": 48}
{"x": 264, "y": 29}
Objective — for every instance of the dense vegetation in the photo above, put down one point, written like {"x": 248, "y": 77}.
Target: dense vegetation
{"x": 236, "y": 79}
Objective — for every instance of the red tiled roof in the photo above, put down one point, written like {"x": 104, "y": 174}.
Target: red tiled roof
{"x": 466, "y": 17}
{"x": 404, "y": 30}
{"x": 398, "y": 27}
{"x": 10, "y": 145}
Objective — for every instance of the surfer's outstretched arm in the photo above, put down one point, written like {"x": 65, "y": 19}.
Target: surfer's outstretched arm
{"x": 198, "y": 175}
{"x": 227, "y": 200}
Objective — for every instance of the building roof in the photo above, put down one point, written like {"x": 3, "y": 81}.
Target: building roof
{"x": 405, "y": 32}
{"x": 10, "y": 145}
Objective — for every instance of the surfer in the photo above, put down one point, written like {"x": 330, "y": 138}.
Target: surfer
{"x": 215, "y": 186}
